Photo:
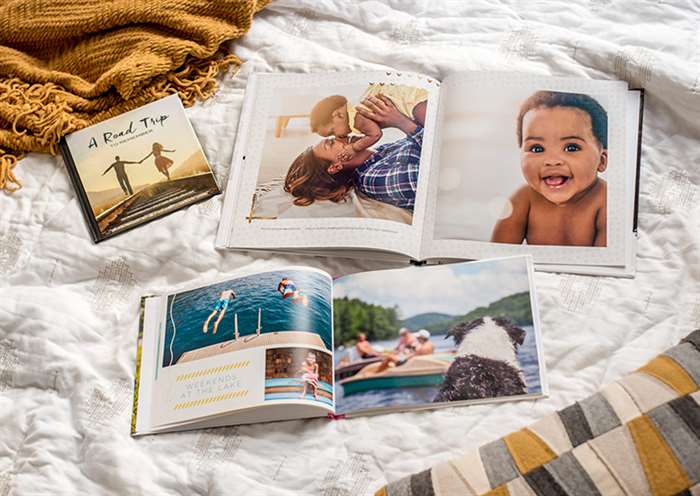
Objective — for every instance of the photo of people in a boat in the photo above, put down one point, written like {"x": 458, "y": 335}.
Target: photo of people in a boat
{"x": 262, "y": 309}
{"x": 444, "y": 333}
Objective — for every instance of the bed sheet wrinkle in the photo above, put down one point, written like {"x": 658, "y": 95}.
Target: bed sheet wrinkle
{"x": 68, "y": 308}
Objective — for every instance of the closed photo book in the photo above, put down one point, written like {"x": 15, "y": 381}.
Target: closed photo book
{"x": 401, "y": 166}
{"x": 137, "y": 167}
{"x": 290, "y": 343}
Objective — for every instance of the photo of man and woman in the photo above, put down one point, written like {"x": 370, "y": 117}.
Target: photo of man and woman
{"x": 138, "y": 166}
{"x": 341, "y": 151}
{"x": 424, "y": 345}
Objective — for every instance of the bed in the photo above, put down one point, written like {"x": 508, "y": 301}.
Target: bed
{"x": 69, "y": 308}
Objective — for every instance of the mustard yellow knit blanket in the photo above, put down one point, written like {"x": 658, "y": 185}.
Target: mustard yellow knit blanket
{"x": 66, "y": 64}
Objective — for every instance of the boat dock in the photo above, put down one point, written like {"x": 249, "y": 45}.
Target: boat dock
{"x": 291, "y": 338}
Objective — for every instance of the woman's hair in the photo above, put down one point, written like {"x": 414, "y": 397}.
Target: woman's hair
{"x": 157, "y": 147}
{"x": 308, "y": 180}
{"x": 551, "y": 99}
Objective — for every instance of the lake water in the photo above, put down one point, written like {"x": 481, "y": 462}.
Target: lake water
{"x": 527, "y": 356}
{"x": 191, "y": 308}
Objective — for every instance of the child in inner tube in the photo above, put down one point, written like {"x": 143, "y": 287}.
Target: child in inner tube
{"x": 288, "y": 289}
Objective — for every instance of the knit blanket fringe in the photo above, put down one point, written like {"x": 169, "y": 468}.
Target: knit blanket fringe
{"x": 35, "y": 115}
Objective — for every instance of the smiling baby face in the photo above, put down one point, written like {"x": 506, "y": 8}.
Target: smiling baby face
{"x": 559, "y": 155}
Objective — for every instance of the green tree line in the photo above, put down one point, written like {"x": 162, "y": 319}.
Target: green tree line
{"x": 352, "y": 316}
{"x": 515, "y": 307}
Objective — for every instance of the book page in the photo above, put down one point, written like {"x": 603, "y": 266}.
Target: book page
{"x": 310, "y": 171}
{"x": 256, "y": 339}
{"x": 531, "y": 164}
{"x": 423, "y": 337}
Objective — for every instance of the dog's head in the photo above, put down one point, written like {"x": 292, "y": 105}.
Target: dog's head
{"x": 516, "y": 334}
{"x": 460, "y": 331}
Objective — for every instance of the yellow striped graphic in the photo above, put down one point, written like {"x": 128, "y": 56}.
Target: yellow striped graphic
{"x": 212, "y": 371}
{"x": 211, "y": 399}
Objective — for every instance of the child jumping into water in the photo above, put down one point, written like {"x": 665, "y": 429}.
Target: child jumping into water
{"x": 224, "y": 298}
{"x": 288, "y": 289}
{"x": 162, "y": 163}
{"x": 309, "y": 371}
{"x": 563, "y": 140}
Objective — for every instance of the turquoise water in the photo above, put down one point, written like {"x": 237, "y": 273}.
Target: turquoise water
{"x": 191, "y": 308}
{"x": 527, "y": 356}
{"x": 324, "y": 386}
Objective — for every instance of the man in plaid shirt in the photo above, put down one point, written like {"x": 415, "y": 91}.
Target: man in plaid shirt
{"x": 390, "y": 175}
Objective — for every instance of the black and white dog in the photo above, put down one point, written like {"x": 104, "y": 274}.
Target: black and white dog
{"x": 486, "y": 365}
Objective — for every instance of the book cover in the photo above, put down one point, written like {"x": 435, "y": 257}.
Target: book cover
{"x": 137, "y": 167}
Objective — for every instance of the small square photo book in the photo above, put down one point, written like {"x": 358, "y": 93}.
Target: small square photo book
{"x": 290, "y": 343}
{"x": 401, "y": 166}
{"x": 137, "y": 167}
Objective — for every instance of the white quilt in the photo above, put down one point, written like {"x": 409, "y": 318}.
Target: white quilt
{"x": 69, "y": 308}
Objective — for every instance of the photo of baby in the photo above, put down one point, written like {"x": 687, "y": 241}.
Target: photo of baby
{"x": 345, "y": 151}
{"x": 563, "y": 146}
{"x": 559, "y": 194}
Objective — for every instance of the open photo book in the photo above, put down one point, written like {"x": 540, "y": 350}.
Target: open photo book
{"x": 292, "y": 343}
{"x": 401, "y": 166}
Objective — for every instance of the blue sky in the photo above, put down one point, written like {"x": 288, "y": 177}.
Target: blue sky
{"x": 453, "y": 289}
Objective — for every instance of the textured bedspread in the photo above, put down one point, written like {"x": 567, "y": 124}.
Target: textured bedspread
{"x": 68, "y": 308}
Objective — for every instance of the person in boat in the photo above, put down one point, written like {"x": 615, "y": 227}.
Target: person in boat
{"x": 288, "y": 289}
{"x": 425, "y": 347}
{"x": 405, "y": 349}
{"x": 364, "y": 348}
{"x": 407, "y": 342}
{"x": 309, "y": 375}
{"x": 221, "y": 305}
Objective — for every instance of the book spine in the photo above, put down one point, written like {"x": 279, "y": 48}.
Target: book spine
{"x": 418, "y": 263}
{"x": 80, "y": 191}
{"x": 639, "y": 161}
{"x": 137, "y": 375}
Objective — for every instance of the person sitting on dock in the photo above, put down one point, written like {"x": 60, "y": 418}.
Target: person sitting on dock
{"x": 288, "y": 289}
{"x": 309, "y": 371}
{"x": 364, "y": 348}
{"x": 224, "y": 298}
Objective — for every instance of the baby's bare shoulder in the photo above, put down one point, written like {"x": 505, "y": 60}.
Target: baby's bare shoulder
{"x": 522, "y": 196}
{"x": 601, "y": 194}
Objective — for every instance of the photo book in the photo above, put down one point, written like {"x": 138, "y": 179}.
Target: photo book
{"x": 137, "y": 167}
{"x": 291, "y": 343}
{"x": 402, "y": 166}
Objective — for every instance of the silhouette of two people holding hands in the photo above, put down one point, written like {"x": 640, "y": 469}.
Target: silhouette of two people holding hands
{"x": 162, "y": 164}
